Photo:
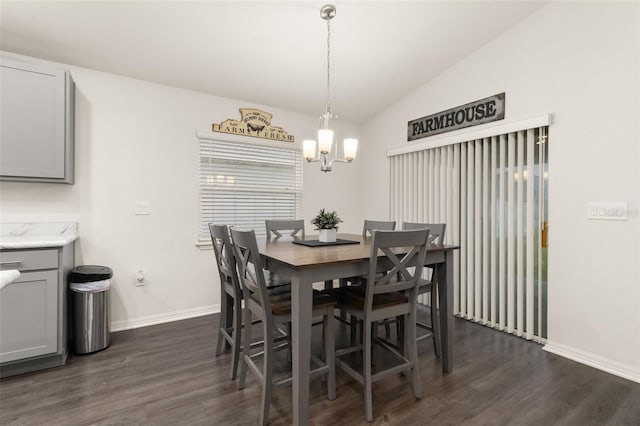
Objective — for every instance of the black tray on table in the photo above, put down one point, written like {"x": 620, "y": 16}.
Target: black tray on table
{"x": 317, "y": 243}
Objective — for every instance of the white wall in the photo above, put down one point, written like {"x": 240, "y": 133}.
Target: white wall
{"x": 580, "y": 62}
{"x": 136, "y": 140}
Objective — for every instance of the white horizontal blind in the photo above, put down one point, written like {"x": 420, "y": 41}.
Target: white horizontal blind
{"x": 243, "y": 184}
{"x": 488, "y": 192}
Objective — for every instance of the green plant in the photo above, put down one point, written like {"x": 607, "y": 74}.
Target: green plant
{"x": 326, "y": 220}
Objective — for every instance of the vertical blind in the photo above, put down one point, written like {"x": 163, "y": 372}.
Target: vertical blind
{"x": 491, "y": 194}
{"x": 243, "y": 184}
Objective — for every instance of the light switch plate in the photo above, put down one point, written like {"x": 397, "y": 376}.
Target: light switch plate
{"x": 598, "y": 210}
{"x": 142, "y": 208}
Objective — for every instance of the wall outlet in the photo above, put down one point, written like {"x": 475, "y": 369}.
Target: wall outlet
{"x": 140, "y": 278}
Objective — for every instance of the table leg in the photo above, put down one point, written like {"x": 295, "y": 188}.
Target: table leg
{"x": 445, "y": 294}
{"x": 301, "y": 307}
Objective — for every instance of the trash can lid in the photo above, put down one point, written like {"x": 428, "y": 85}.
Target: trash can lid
{"x": 89, "y": 273}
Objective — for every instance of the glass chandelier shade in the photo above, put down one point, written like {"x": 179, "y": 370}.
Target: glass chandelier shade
{"x": 350, "y": 146}
{"x": 327, "y": 129}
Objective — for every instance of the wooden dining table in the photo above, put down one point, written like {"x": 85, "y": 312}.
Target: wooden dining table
{"x": 306, "y": 265}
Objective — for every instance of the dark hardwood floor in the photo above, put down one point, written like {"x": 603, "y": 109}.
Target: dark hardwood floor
{"x": 169, "y": 375}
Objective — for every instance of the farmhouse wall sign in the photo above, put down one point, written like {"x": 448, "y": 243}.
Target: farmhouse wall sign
{"x": 467, "y": 115}
{"x": 253, "y": 122}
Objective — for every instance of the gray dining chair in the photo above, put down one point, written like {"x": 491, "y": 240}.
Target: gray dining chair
{"x": 294, "y": 228}
{"x": 230, "y": 295}
{"x": 381, "y": 225}
{"x": 273, "y": 306}
{"x": 275, "y": 228}
{"x": 368, "y": 227}
{"x": 390, "y": 294}
{"x": 436, "y": 236}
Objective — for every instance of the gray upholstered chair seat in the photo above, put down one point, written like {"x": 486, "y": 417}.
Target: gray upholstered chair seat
{"x": 275, "y": 280}
{"x": 280, "y": 300}
{"x": 354, "y": 298}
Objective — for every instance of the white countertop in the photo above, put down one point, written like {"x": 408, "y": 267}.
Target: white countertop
{"x": 36, "y": 235}
{"x": 7, "y": 277}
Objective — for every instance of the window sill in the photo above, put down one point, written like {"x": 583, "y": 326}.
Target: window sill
{"x": 204, "y": 245}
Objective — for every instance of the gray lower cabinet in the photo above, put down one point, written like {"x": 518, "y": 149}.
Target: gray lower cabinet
{"x": 33, "y": 309}
{"x": 37, "y": 122}
{"x": 29, "y": 329}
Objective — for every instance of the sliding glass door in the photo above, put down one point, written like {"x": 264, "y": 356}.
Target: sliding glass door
{"x": 492, "y": 193}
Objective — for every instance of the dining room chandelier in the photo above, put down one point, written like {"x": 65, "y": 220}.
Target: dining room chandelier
{"x": 328, "y": 126}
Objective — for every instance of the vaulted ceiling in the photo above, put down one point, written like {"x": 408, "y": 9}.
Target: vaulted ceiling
{"x": 271, "y": 53}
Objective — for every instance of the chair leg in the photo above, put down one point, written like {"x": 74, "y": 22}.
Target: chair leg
{"x": 328, "y": 284}
{"x": 246, "y": 350}
{"x": 366, "y": 355}
{"x": 435, "y": 321}
{"x": 237, "y": 337}
{"x": 402, "y": 338}
{"x": 231, "y": 305}
{"x": 222, "y": 323}
{"x": 374, "y": 337}
{"x": 343, "y": 283}
{"x": 289, "y": 356}
{"x": 267, "y": 373}
{"x": 400, "y": 327}
{"x": 387, "y": 328}
{"x": 353, "y": 325}
{"x": 330, "y": 353}
{"x": 412, "y": 352}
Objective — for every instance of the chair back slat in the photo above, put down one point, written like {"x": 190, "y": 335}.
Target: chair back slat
{"x": 377, "y": 225}
{"x": 225, "y": 259}
{"x": 250, "y": 267}
{"x": 436, "y": 230}
{"x": 399, "y": 265}
{"x": 402, "y": 259}
{"x": 295, "y": 228}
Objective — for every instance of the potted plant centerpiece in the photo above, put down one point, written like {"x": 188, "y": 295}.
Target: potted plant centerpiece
{"x": 327, "y": 223}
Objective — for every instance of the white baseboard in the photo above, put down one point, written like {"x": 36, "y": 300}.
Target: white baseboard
{"x": 163, "y": 318}
{"x": 604, "y": 364}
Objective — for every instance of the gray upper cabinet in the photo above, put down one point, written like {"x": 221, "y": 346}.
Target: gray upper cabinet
{"x": 37, "y": 120}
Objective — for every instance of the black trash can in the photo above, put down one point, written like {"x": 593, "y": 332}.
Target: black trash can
{"x": 90, "y": 288}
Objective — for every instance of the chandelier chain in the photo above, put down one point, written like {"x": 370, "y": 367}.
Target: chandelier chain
{"x": 328, "y": 65}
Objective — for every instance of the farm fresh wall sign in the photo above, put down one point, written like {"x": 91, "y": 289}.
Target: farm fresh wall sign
{"x": 253, "y": 122}
{"x": 467, "y": 115}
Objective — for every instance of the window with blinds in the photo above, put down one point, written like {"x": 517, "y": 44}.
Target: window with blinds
{"x": 243, "y": 184}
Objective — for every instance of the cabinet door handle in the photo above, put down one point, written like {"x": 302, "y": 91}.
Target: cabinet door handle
{"x": 12, "y": 262}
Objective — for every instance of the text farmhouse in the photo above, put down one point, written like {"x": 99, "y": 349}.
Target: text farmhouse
{"x": 471, "y": 114}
